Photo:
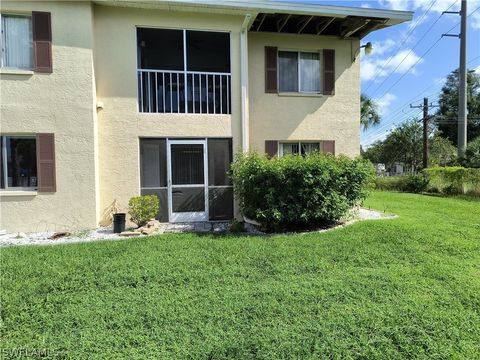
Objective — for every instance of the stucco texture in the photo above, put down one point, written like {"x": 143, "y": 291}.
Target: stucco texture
{"x": 120, "y": 123}
{"x": 59, "y": 103}
{"x": 95, "y": 117}
{"x": 296, "y": 117}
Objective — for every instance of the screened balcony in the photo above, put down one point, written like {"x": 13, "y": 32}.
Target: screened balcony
{"x": 183, "y": 71}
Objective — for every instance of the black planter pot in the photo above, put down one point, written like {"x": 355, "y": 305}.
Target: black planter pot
{"x": 119, "y": 223}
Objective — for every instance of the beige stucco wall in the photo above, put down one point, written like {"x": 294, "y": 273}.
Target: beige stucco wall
{"x": 279, "y": 117}
{"x": 120, "y": 123}
{"x": 60, "y": 103}
{"x": 97, "y": 150}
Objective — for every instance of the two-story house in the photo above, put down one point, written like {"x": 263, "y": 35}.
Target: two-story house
{"x": 105, "y": 100}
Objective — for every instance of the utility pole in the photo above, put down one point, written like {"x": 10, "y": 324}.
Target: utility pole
{"x": 425, "y": 108}
{"x": 462, "y": 87}
{"x": 462, "y": 74}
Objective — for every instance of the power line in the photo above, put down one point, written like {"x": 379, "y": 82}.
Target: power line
{"x": 398, "y": 112}
{"x": 419, "y": 21}
{"x": 421, "y": 57}
{"x": 371, "y": 139}
{"x": 411, "y": 50}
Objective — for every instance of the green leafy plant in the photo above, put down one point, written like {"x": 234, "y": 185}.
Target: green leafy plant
{"x": 236, "y": 226}
{"x": 454, "y": 180}
{"x": 415, "y": 183}
{"x": 295, "y": 192}
{"x": 143, "y": 208}
{"x": 472, "y": 153}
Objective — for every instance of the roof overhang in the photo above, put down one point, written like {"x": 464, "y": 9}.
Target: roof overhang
{"x": 286, "y": 16}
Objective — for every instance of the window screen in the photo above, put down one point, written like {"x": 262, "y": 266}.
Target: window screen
{"x": 17, "y": 43}
{"x": 153, "y": 163}
{"x": 208, "y": 51}
{"x": 160, "y": 49}
{"x": 299, "y": 71}
{"x": 19, "y": 159}
{"x": 219, "y": 159}
{"x": 310, "y": 72}
{"x": 288, "y": 71}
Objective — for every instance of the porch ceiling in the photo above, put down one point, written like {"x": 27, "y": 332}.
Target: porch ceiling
{"x": 345, "y": 27}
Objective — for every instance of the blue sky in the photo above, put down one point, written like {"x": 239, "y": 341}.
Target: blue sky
{"x": 423, "y": 75}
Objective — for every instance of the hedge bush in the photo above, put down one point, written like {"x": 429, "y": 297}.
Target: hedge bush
{"x": 415, "y": 183}
{"x": 453, "y": 180}
{"x": 295, "y": 192}
{"x": 143, "y": 208}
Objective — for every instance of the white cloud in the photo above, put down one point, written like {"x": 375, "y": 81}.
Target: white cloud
{"x": 420, "y": 6}
{"x": 366, "y": 6}
{"x": 384, "y": 103}
{"x": 377, "y": 68}
{"x": 477, "y": 70}
{"x": 384, "y": 46}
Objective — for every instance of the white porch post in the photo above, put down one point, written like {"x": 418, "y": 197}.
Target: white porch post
{"x": 244, "y": 81}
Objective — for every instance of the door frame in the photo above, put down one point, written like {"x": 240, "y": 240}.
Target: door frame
{"x": 187, "y": 216}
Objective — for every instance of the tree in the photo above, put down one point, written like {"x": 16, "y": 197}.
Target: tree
{"x": 404, "y": 144}
{"x": 472, "y": 154}
{"x": 368, "y": 112}
{"x": 441, "y": 151}
{"x": 447, "y": 115}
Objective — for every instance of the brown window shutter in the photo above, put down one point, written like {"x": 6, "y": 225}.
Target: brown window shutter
{"x": 271, "y": 148}
{"x": 270, "y": 69}
{"x": 329, "y": 147}
{"x": 328, "y": 72}
{"x": 42, "y": 41}
{"x": 46, "y": 163}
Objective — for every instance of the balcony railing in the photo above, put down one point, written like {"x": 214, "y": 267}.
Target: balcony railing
{"x": 191, "y": 92}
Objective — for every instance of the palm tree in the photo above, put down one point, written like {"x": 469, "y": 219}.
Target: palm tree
{"x": 368, "y": 112}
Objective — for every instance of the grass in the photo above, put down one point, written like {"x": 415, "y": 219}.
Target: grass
{"x": 390, "y": 289}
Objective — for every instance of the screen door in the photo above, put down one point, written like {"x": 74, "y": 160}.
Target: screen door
{"x": 187, "y": 180}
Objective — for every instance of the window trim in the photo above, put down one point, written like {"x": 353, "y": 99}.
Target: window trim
{"x": 299, "y": 143}
{"x": 293, "y": 93}
{"x": 7, "y": 188}
{"x": 13, "y": 69}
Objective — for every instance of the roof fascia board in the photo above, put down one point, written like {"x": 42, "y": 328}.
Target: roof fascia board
{"x": 268, "y": 6}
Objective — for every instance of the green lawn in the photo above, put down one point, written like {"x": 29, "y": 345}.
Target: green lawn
{"x": 388, "y": 289}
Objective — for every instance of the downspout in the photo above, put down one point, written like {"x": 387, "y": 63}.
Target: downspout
{"x": 244, "y": 81}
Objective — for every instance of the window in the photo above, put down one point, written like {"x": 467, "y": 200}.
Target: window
{"x": 295, "y": 148}
{"x": 183, "y": 71}
{"x": 17, "y": 43}
{"x": 299, "y": 71}
{"x": 164, "y": 49}
{"x": 18, "y": 162}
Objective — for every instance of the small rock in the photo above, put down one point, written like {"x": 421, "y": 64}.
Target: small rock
{"x": 130, "y": 233}
{"x": 59, "y": 235}
{"x": 153, "y": 223}
{"x": 148, "y": 231}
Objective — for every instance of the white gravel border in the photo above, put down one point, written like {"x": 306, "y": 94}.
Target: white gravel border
{"x": 106, "y": 233}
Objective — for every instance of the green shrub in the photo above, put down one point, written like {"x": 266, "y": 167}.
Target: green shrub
{"x": 472, "y": 153}
{"x": 143, "y": 208}
{"x": 454, "y": 180}
{"x": 298, "y": 192}
{"x": 415, "y": 183}
{"x": 389, "y": 183}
